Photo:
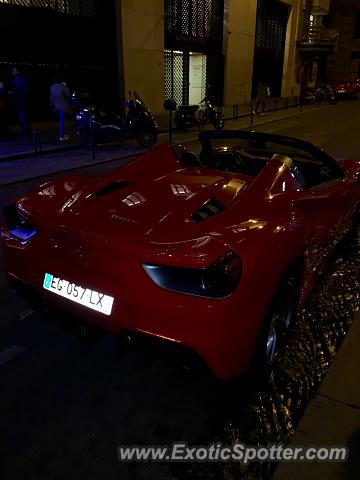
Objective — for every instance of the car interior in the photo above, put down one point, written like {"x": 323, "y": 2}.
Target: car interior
{"x": 249, "y": 157}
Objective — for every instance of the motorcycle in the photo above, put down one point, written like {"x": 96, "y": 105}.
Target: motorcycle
{"x": 212, "y": 115}
{"x": 95, "y": 126}
{"x": 324, "y": 92}
{"x": 185, "y": 115}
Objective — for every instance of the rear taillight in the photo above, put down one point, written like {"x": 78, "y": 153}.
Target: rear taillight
{"x": 218, "y": 280}
{"x": 222, "y": 277}
{"x": 17, "y": 225}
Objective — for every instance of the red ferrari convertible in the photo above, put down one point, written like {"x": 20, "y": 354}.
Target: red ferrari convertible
{"x": 215, "y": 251}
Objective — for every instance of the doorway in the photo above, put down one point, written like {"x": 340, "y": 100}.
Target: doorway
{"x": 197, "y": 78}
{"x": 185, "y": 76}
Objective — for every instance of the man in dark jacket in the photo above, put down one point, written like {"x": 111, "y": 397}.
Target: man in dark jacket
{"x": 20, "y": 88}
{"x": 60, "y": 103}
{"x": 262, "y": 93}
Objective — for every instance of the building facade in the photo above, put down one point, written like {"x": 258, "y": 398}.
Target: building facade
{"x": 317, "y": 43}
{"x": 183, "y": 49}
{"x": 75, "y": 38}
{"x": 345, "y": 63}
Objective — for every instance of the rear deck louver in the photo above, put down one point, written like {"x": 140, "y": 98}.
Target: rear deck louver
{"x": 209, "y": 209}
{"x": 111, "y": 188}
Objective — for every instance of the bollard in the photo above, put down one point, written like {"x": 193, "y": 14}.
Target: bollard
{"x": 235, "y": 111}
{"x": 170, "y": 126}
{"x": 170, "y": 106}
{"x": 37, "y": 142}
{"x": 34, "y": 138}
{"x": 92, "y": 139}
{"x": 200, "y": 119}
{"x": 93, "y": 145}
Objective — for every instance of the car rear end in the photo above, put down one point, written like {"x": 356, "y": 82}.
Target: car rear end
{"x": 124, "y": 288}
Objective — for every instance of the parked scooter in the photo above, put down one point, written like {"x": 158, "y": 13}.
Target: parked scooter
{"x": 95, "y": 126}
{"x": 212, "y": 115}
{"x": 185, "y": 115}
{"x": 324, "y": 92}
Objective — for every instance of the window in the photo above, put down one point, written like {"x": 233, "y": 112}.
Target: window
{"x": 191, "y": 18}
{"x": 271, "y": 22}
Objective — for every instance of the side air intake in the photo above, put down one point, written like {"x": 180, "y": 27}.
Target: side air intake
{"x": 209, "y": 209}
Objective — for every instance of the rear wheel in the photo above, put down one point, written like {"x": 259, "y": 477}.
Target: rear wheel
{"x": 279, "y": 322}
{"x": 219, "y": 124}
{"x": 147, "y": 137}
{"x": 355, "y": 224}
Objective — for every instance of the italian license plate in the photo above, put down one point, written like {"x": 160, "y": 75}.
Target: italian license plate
{"x": 78, "y": 294}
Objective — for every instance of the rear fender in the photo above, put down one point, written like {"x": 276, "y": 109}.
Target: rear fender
{"x": 266, "y": 255}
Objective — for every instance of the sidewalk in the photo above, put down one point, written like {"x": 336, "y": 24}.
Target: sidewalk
{"x": 332, "y": 418}
{"x": 13, "y": 149}
{"x": 56, "y": 162}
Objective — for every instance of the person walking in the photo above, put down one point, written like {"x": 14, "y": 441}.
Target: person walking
{"x": 262, "y": 93}
{"x": 20, "y": 90}
{"x": 60, "y": 103}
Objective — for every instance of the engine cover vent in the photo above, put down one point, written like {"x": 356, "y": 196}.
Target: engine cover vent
{"x": 209, "y": 209}
{"x": 111, "y": 188}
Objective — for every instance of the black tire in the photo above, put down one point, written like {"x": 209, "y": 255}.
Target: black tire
{"x": 333, "y": 100}
{"x": 147, "y": 137}
{"x": 355, "y": 224}
{"x": 219, "y": 124}
{"x": 278, "y": 323}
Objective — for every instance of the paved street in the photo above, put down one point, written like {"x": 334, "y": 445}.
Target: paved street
{"x": 65, "y": 406}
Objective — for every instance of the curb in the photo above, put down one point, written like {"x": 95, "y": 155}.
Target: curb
{"x": 67, "y": 148}
{"x": 190, "y": 140}
{"x": 62, "y": 171}
{"x": 46, "y": 151}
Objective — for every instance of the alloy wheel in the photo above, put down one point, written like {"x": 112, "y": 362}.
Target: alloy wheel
{"x": 281, "y": 318}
